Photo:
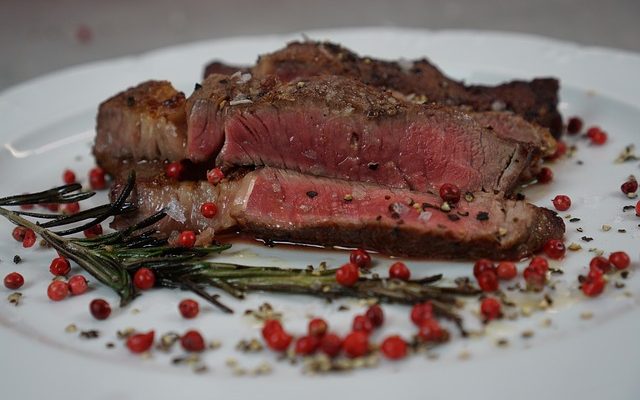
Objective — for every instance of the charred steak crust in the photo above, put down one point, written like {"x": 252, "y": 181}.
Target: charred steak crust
{"x": 145, "y": 122}
{"x": 274, "y": 204}
{"x": 536, "y": 100}
{"x": 338, "y": 127}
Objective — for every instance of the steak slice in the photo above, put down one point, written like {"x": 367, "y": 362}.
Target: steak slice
{"x": 338, "y": 127}
{"x": 288, "y": 206}
{"x": 535, "y": 100}
{"x": 145, "y": 122}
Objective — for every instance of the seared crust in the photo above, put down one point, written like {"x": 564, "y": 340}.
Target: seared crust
{"x": 535, "y": 100}
{"x": 145, "y": 122}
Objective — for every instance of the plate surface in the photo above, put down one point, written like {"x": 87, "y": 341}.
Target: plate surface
{"x": 48, "y": 126}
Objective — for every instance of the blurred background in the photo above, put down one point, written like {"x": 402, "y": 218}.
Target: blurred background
{"x": 40, "y": 36}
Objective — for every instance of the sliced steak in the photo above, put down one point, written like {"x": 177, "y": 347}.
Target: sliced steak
{"x": 535, "y": 100}
{"x": 338, "y": 127}
{"x": 288, "y": 206}
{"x": 146, "y": 122}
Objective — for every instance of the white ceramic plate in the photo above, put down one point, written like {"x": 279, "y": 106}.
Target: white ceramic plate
{"x": 48, "y": 126}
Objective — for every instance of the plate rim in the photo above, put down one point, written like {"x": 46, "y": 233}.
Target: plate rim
{"x": 26, "y": 88}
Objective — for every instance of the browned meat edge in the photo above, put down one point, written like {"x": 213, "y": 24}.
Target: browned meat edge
{"x": 535, "y": 100}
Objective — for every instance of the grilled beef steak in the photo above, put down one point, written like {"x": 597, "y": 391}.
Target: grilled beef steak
{"x": 289, "y": 206}
{"x": 146, "y": 122}
{"x": 325, "y": 126}
{"x": 340, "y": 128}
{"x": 535, "y": 100}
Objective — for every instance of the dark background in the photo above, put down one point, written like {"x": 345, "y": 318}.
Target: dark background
{"x": 40, "y": 36}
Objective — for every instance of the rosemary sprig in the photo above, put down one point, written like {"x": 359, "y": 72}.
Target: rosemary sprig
{"x": 105, "y": 257}
{"x": 237, "y": 280}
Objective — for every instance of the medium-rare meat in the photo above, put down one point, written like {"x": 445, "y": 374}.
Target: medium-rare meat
{"x": 338, "y": 127}
{"x": 284, "y": 205}
{"x": 535, "y": 100}
{"x": 146, "y": 122}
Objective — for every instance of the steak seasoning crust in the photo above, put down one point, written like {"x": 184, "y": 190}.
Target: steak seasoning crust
{"x": 535, "y": 100}
{"x": 283, "y": 205}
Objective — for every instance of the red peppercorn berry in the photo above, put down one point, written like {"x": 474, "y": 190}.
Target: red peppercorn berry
{"x": 506, "y": 270}
{"x": 318, "y": 327}
{"x": 192, "y": 341}
{"x": 58, "y": 290}
{"x": 72, "y": 208}
{"x": 620, "y": 259}
{"x": 26, "y": 206}
{"x": 330, "y": 344}
{"x": 637, "y": 209}
{"x": 215, "y": 176}
{"x": 430, "y": 330}
{"x": 545, "y": 175}
{"x": 601, "y": 264}
{"x": 97, "y": 179}
{"x": 78, "y": 285}
{"x": 399, "y": 270}
{"x": 60, "y": 266}
{"x": 421, "y": 312}
{"x": 144, "y": 279}
{"x": 93, "y": 231}
{"x": 450, "y": 193}
{"x": 174, "y": 170}
{"x": 360, "y": 258}
{"x": 13, "y": 281}
{"x": 561, "y": 202}
{"x": 18, "y": 233}
{"x": 539, "y": 264}
{"x": 394, "y": 347}
{"x": 100, "y": 309}
{"x": 277, "y": 339}
{"x": 356, "y": 344}
{"x": 140, "y": 342}
{"x": 488, "y": 281}
{"x": 629, "y": 187}
{"x": 481, "y": 266}
{"x": 187, "y": 239}
{"x": 490, "y": 308}
{"x": 595, "y": 273}
{"x": 362, "y": 324}
{"x": 554, "y": 248}
{"x": 347, "y": 275}
{"x": 208, "y": 210}
{"x": 270, "y": 326}
{"x": 189, "y": 308}
{"x": 593, "y": 285}
{"x": 597, "y": 135}
{"x": 375, "y": 315}
{"x": 68, "y": 177}
{"x": 53, "y": 207}
{"x": 29, "y": 238}
{"x": 307, "y": 345}
{"x": 574, "y": 125}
